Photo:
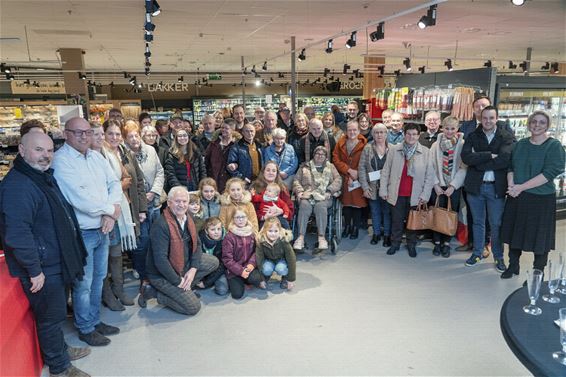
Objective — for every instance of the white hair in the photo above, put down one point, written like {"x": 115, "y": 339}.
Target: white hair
{"x": 177, "y": 190}
{"x": 279, "y": 133}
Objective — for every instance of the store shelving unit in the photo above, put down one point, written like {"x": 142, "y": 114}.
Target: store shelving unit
{"x": 323, "y": 104}
{"x": 167, "y": 114}
{"x": 203, "y": 106}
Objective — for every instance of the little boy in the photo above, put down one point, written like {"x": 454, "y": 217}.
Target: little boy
{"x": 211, "y": 237}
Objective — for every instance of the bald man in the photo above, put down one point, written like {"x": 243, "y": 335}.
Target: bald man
{"x": 42, "y": 245}
{"x": 93, "y": 190}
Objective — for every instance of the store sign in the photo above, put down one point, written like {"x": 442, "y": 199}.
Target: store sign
{"x": 168, "y": 87}
{"x": 22, "y": 87}
{"x": 351, "y": 85}
{"x": 214, "y": 76}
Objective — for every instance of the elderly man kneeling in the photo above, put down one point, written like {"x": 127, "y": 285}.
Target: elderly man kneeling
{"x": 175, "y": 262}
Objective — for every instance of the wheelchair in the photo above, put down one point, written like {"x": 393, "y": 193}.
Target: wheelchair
{"x": 333, "y": 230}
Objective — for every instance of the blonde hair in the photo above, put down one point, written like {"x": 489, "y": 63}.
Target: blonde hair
{"x": 262, "y": 235}
{"x": 450, "y": 121}
{"x": 231, "y": 181}
{"x": 130, "y": 125}
{"x": 207, "y": 182}
{"x": 274, "y": 186}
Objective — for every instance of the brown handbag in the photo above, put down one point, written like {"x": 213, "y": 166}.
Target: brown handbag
{"x": 420, "y": 218}
{"x": 445, "y": 220}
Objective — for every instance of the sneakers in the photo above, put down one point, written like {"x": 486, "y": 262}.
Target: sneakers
{"x": 104, "y": 329}
{"x": 322, "y": 243}
{"x": 76, "y": 353}
{"x": 263, "y": 285}
{"x": 473, "y": 260}
{"x": 436, "y": 250}
{"x": 392, "y": 250}
{"x": 500, "y": 265}
{"x": 284, "y": 284}
{"x": 71, "y": 371}
{"x": 299, "y": 243}
{"x": 445, "y": 252}
{"x": 95, "y": 339}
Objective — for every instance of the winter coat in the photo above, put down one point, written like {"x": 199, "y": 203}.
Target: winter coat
{"x": 304, "y": 180}
{"x": 216, "y": 160}
{"x": 370, "y": 162}
{"x": 176, "y": 172}
{"x": 427, "y": 140}
{"x": 228, "y": 207}
{"x": 423, "y": 181}
{"x": 281, "y": 249}
{"x": 287, "y": 161}
{"x": 476, "y": 153}
{"x": 136, "y": 191}
{"x": 262, "y": 206}
{"x": 459, "y": 169}
{"x": 237, "y": 253}
{"x": 283, "y": 195}
{"x": 153, "y": 173}
{"x": 210, "y": 208}
{"x": 294, "y": 139}
{"x": 214, "y": 246}
{"x": 240, "y": 154}
{"x": 344, "y": 161}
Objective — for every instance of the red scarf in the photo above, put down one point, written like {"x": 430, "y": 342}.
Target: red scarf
{"x": 176, "y": 244}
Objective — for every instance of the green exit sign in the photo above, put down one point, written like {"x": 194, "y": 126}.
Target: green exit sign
{"x": 214, "y": 76}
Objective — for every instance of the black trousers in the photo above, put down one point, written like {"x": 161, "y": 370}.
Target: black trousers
{"x": 49, "y": 307}
{"x": 352, "y": 216}
{"x": 399, "y": 215}
{"x": 539, "y": 262}
{"x": 237, "y": 284}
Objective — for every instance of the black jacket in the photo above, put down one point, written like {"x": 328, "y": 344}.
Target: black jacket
{"x": 314, "y": 143}
{"x": 216, "y": 247}
{"x": 476, "y": 153}
{"x": 176, "y": 172}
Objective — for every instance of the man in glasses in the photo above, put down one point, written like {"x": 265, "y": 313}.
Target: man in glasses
{"x": 93, "y": 190}
{"x": 432, "y": 123}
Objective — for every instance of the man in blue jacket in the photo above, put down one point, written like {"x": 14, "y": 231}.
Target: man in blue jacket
{"x": 245, "y": 157}
{"x": 43, "y": 246}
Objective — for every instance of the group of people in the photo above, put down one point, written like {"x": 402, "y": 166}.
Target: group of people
{"x": 215, "y": 206}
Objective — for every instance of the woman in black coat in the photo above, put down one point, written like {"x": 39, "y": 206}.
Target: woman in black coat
{"x": 184, "y": 165}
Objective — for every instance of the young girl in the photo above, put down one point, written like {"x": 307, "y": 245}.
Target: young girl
{"x": 274, "y": 253}
{"x": 209, "y": 198}
{"x": 269, "y": 198}
{"x": 196, "y": 211}
{"x": 211, "y": 237}
{"x": 236, "y": 197}
{"x": 238, "y": 255}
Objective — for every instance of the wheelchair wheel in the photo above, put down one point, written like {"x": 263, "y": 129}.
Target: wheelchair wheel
{"x": 334, "y": 245}
{"x": 338, "y": 221}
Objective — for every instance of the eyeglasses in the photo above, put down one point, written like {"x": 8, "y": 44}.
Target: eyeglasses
{"x": 240, "y": 217}
{"x": 150, "y": 135}
{"x": 79, "y": 133}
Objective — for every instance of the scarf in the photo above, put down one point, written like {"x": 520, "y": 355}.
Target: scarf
{"x": 71, "y": 245}
{"x": 409, "y": 153}
{"x": 124, "y": 222}
{"x": 325, "y": 140}
{"x": 176, "y": 243}
{"x": 244, "y": 231}
{"x": 208, "y": 244}
{"x": 448, "y": 149}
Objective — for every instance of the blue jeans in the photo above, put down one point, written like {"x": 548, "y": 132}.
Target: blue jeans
{"x": 87, "y": 293}
{"x": 487, "y": 201}
{"x": 280, "y": 267}
{"x": 139, "y": 254}
{"x": 380, "y": 208}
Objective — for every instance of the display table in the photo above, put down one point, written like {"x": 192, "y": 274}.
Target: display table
{"x": 19, "y": 348}
{"x": 533, "y": 339}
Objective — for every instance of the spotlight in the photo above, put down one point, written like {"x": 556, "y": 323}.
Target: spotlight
{"x": 381, "y": 70}
{"x": 147, "y": 71}
{"x": 147, "y": 53}
{"x": 326, "y": 72}
{"x": 448, "y": 64}
{"x": 302, "y": 56}
{"x": 36, "y": 84}
{"x": 126, "y": 75}
{"x": 397, "y": 72}
{"x": 27, "y": 82}
{"x": 554, "y": 68}
{"x": 147, "y": 63}
{"x": 271, "y": 79}
{"x": 511, "y": 65}
{"x": 329, "y": 47}
{"x": 407, "y": 64}
{"x": 264, "y": 67}
{"x": 352, "y": 41}
{"x": 152, "y": 7}
{"x": 546, "y": 66}
{"x": 139, "y": 85}
{"x": 346, "y": 68}
{"x": 524, "y": 66}
{"x": 132, "y": 80}
{"x": 148, "y": 38}
{"x": 149, "y": 27}
{"x": 253, "y": 70}
{"x": 245, "y": 71}
{"x": 487, "y": 64}
{"x": 422, "y": 69}
{"x": 518, "y": 3}
{"x": 257, "y": 82}
{"x": 5, "y": 69}
{"x": 82, "y": 76}
{"x": 378, "y": 34}
{"x": 280, "y": 75}
{"x": 429, "y": 19}
{"x": 180, "y": 79}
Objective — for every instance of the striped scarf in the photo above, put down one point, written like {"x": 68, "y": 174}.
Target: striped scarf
{"x": 448, "y": 148}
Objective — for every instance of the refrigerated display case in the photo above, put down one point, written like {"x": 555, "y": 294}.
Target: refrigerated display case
{"x": 323, "y": 104}
{"x": 203, "y": 106}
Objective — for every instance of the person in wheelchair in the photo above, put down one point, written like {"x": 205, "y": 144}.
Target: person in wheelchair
{"x": 316, "y": 182}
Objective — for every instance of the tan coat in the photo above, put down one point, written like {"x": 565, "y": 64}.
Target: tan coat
{"x": 343, "y": 162}
{"x": 423, "y": 181}
{"x": 304, "y": 180}
{"x": 229, "y": 207}
{"x": 459, "y": 169}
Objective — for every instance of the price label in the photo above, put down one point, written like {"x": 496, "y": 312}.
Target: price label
{"x": 18, "y": 113}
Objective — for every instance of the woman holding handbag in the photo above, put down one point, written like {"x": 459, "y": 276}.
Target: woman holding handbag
{"x": 450, "y": 172}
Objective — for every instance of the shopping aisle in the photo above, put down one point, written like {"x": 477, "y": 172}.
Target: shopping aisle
{"x": 360, "y": 312}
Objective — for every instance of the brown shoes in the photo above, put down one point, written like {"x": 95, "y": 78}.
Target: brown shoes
{"x": 76, "y": 353}
{"x": 71, "y": 371}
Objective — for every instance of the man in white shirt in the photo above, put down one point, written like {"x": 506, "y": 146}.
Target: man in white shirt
{"x": 93, "y": 190}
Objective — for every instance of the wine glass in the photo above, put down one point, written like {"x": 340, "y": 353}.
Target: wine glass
{"x": 560, "y": 356}
{"x": 562, "y": 288}
{"x": 554, "y": 271}
{"x": 534, "y": 280}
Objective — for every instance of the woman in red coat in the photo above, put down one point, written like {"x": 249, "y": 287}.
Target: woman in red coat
{"x": 346, "y": 158}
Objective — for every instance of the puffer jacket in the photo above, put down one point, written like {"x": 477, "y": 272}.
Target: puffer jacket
{"x": 287, "y": 161}
{"x": 281, "y": 249}
{"x": 240, "y": 154}
{"x": 228, "y": 207}
{"x": 210, "y": 208}
{"x": 176, "y": 172}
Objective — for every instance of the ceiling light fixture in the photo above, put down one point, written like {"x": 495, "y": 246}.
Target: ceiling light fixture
{"x": 345, "y": 69}
{"x": 397, "y": 72}
{"x": 524, "y": 66}
{"x": 82, "y": 76}
{"x": 149, "y": 27}
{"x": 487, "y": 64}
{"x": 546, "y": 66}
{"x": 329, "y": 47}
{"x": 448, "y": 64}
{"x": 152, "y": 7}
{"x": 257, "y": 82}
{"x": 280, "y": 75}
{"x": 352, "y": 41}
{"x": 381, "y": 70}
{"x": 429, "y": 19}
{"x": 5, "y": 69}
{"x": 264, "y": 67}
{"x": 132, "y": 80}
{"x": 407, "y": 64}
{"x": 147, "y": 71}
{"x": 518, "y": 3}
{"x": 422, "y": 69}
{"x": 511, "y": 65}
{"x": 554, "y": 67}
{"x": 253, "y": 70}
{"x": 302, "y": 56}
{"x": 379, "y": 33}
{"x": 180, "y": 79}
{"x": 326, "y": 72}
{"x": 148, "y": 38}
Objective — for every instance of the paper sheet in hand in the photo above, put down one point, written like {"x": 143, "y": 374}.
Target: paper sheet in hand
{"x": 374, "y": 175}
{"x": 354, "y": 186}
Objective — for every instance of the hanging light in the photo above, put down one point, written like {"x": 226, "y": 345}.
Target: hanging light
{"x": 132, "y": 80}
{"x": 152, "y": 7}
{"x": 149, "y": 27}
{"x": 378, "y": 34}
{"x": 407, "y": 64}
{"x": 511, "y": 65}
{"x": 422, "y": 69}
{"x": 546, "y": 66}
{"x": 345, "y": 69}
{"x": 518, "y": 3}
{"x": 429, "y": 19}
{"x": 302, "y": 56}
{"x": 487, "y": 64}
{"x": 264, "y": 67}
{"x": 524, "y": 66}
{"x": 554, "y": 67}
{"x": 82, "y": 76}
{"x": 148, "y": 38}
{"x": 448, "y": 64}
{"x": 180, "y": 79}
{"x": 352, "y": 41}
{"x": 329, "y": 47}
